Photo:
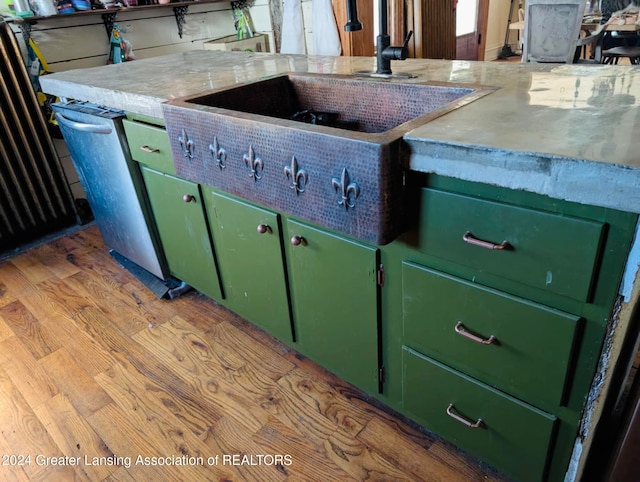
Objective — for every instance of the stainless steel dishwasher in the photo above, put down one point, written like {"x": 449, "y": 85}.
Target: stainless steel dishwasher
{"x": 113, "y": 182}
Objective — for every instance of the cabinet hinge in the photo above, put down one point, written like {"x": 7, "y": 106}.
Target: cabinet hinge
{"x": 381, "y": 375}
{"x": 381, "y": 276}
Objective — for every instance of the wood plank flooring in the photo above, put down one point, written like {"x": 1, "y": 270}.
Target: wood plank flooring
{"x": 102, "y": 381}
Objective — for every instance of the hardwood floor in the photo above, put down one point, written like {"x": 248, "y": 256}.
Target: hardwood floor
{"x": 100, "y": 380}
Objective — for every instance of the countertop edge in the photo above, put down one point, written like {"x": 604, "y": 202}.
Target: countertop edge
{"x": 564, "y": 178}
{"x": 113, "y": 98}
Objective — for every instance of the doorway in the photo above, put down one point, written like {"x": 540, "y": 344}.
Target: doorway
{"x": 431, "y": 21}
{"x": 471, "y": 26}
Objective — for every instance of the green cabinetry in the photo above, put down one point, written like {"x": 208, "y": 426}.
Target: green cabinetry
{"x": 523, "y": 347}
{"x": 269, "y": 264}
{"x": 310, "y": 288}
{"x": 487, "y": 329}
{"x": 184, "y": 233}
{"x": 528, "y": 246}
{"x": 149, "y": 145}
{"x": 314, "y": 290}
{"x": 500, "y": 429}
{"x": 334, "y": 293}
{"x": 495, "y": 309}
{"x": 248, "y": 245}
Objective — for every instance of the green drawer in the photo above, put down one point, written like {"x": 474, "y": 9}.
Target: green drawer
{"x": 149, "y": 145}
{"x": 530, "y": 356}
{"x": 546, "y": 251}
{"x": 512, "y": 436}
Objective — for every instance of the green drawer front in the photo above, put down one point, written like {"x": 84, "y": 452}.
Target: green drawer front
{"x": 547, "y": 251}
{"x": 149, "y": 145}
{"x": 531, "y": 354}
{"x": 512, "y": 436}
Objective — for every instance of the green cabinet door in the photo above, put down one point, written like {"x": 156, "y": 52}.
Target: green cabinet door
{"x": 249, "y": 249}
{"x": 182, "y": 226}
{"x": 335, "y": 302}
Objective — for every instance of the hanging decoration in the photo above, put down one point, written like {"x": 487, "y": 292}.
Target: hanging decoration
{"x": 242, "y": 19}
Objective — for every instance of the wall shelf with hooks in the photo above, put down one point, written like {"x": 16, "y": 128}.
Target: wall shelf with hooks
{"x": 109, "y": 15}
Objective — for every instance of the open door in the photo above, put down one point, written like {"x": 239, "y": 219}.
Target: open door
{"x": 434, "y": 28}
{"x": 471, "y": 26}
{"x": 433, "y": 23}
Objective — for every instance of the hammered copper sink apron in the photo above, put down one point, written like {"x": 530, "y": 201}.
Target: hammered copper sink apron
{"x": 323, "y": 148}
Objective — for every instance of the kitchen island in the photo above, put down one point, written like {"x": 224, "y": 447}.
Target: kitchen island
{"x": 542, "y": 171}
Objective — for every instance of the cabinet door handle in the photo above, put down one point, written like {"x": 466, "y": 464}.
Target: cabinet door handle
{"x": 188, "y": 198}
{"x": 460, "y": 330}
{"x": 263, "y": 228}
{"x": 468, "y": 237}
{"x": 461, "y": 419}
{"x": 298, "y": 240}
{"x": 148, "y": 149}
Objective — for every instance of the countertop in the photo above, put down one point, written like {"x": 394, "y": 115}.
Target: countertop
{"x": 567, "y": 131}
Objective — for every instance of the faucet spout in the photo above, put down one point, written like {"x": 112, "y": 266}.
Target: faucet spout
{"x": 353, "y": 24}
{"x": 385, "y": 52}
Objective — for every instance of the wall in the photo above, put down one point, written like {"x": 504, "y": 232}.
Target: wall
{"x": 497, "y": 26}
{"x": 80, "y": 41}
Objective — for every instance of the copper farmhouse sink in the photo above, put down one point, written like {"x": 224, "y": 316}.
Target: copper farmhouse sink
{"x": 324, "y": 148}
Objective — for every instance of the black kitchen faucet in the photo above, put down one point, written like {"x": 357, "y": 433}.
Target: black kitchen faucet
{"x": 385, "y": 52}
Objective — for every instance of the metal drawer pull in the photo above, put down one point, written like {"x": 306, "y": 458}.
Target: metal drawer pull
{"x": 471, "y": 239}
{"x": 461, "y": 419}
{"x": 148, "y": 149}
{"x": 460, "y": 330}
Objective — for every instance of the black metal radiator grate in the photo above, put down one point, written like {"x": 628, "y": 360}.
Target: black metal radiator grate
{"x": 35, "y": 198}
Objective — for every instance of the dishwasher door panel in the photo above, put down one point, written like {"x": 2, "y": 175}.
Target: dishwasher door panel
{"x": 113, "y": 183}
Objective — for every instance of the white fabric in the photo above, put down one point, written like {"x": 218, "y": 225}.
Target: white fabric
{"x": 292, "y": 41}
{"x": 326, "y": 40}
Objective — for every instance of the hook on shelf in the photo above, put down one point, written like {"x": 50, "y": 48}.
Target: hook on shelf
{"x": 180, "y": 12}
{"x": 109, "y": 20}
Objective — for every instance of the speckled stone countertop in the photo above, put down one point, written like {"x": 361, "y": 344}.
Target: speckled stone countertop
{"x": 567, "y": 131}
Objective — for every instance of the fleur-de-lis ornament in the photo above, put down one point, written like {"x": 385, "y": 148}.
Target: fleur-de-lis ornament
{"x": 349, "y": 191}
{"x": 218, "y": 153}
{"x": 254, "y": 163}
{"x": 186, "y": 144}
{"x": 299, "y": 177}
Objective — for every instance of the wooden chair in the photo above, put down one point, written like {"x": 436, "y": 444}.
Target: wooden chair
{"x": 589, "y": 46}
{"x": 519, "y": 26}
{"x": 552, "y": 30}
